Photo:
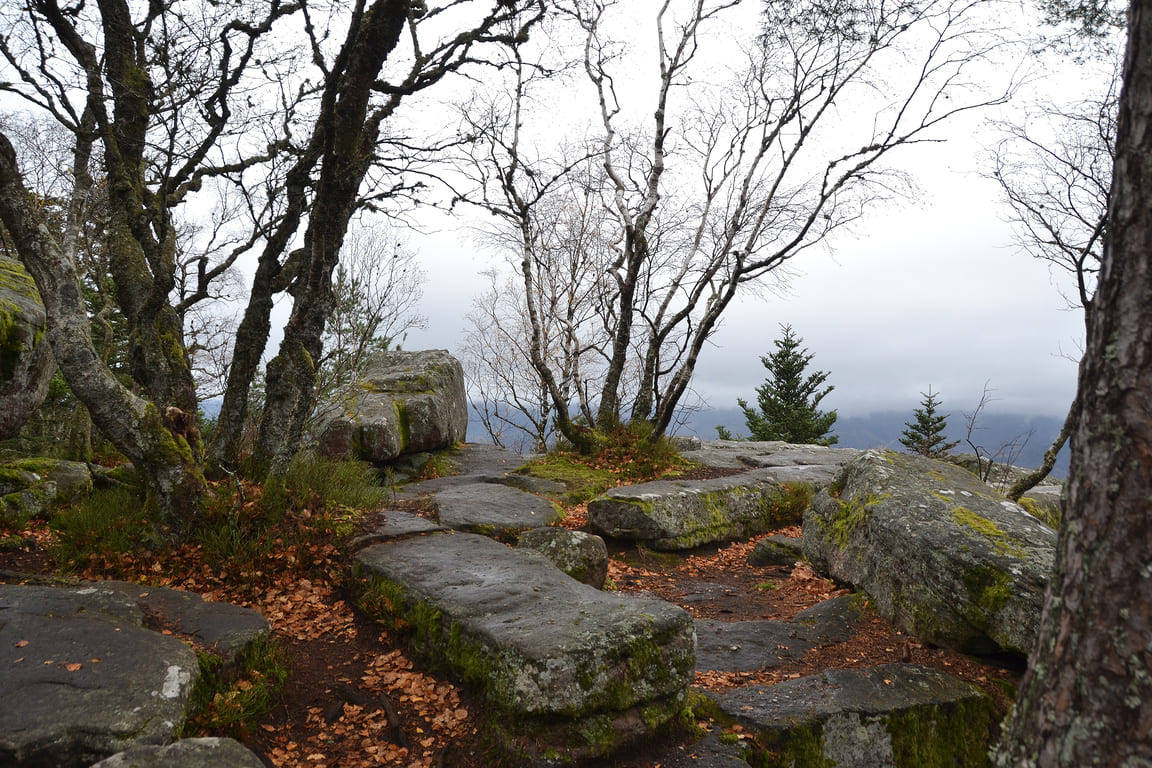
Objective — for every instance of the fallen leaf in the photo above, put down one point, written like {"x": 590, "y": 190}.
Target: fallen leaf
{"x": 74, "y": 667}
{"x": 21, "y": 643}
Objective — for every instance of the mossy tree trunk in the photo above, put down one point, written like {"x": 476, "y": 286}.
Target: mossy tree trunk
{"x": 133, "y": 424}
{"x": 1086, "y": 699}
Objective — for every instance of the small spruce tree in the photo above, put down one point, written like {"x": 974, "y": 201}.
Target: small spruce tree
{"x": 788, "y": 400}
{"x": 925, "y": 435}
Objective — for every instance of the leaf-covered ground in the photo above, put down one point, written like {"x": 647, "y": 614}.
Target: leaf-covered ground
{"x": 356, "y": 698}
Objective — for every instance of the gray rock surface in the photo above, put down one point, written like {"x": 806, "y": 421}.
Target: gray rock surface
{"x": 406, "y": 402}
{"x": 748, "y": 646}
{"x": 681, "y": 514}
{"x": 30, "y": 487}
{"x": 394, "y": 524}
{"x": 187, "y": 753}
{"x": 91, "y": 681}
{"x": 581, "y": 555}
{"x": 891, "y": 716}
{"x": 563, "y": 666}
{"x": 493, "y": 510}
{"x": 225, "y": 628}
{"x": 776, "y": 551}
{"x": 1045, "y": 503}
{"x": 26, "y": 363}
{"x": 743, "y": 454}
{"x": 943, "y": 555}
{"x": 709, "y": 752}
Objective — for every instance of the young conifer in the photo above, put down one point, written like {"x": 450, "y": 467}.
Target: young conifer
{"x": 925, "y": 435}
{"x": 788, "y": 400}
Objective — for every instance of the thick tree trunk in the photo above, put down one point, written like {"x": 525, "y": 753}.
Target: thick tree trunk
{"x": 1087, "y": 697}
{"x": 136, "y": 427}
{"x": 349, "y": 144}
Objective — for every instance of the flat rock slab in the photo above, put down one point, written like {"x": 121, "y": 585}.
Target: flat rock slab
{"x": 493, "y": 510}
{"x": 395, "y": 524}
{"x": 742, "y": 454}
{"x": 187, "y": 753}
{"x": 709, "y": 752}
{"x": 748, "y": 646}
{"x": 91, "y": 681}
{"x": 895, "y": 715}
{"x": 228, "y": 629}
{"x": 571, "y": 669}
{"x": 682, "y": 514}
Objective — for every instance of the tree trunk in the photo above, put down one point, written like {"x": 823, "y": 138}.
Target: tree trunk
{"x": 349, "y": 143}
{"x": 1029, "y": 481}
{"x": 1087, "y": 697}
{"x": 136, "y": 427}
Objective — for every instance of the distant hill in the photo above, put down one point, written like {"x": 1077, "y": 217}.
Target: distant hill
{"x": 883, "y": 430}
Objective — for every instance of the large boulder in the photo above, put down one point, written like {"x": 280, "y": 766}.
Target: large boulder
{"x": 564, "y": 669}
{"x": 26, "y": 363}
{"x": 406, "y": 402}
{"x": 681, "y": 514}
{"x": 943, "y": 555}
{"x": 30, "y": 487}
{"x": 581, "y": 555}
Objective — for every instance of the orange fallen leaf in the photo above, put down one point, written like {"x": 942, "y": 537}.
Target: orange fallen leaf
{"x": 21, "y": 643}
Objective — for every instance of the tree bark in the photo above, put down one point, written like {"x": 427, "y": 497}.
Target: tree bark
{"x": 349, "y": 144}
{"x": 136, "y": 427}
{"x": 1086, "y": 699}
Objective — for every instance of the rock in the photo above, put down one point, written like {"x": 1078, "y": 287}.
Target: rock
{"x": 686, "y": 443}
{"x": 91, "y": 681}
{"x": 681, "y": 514}
{"x": 710, "y": 752}
{"x": 892, "y": 716}
{"x": 943, "y": 555}
{"x": 31, "y": 487}
{"x": 1045, "y": 503}
{"x": 580, "y": 555}
{"x": 26, "y": 363}
{"x": 225, "y": 628}
{"x": 187, "y": 753}
{"x": 744, "y": 454}
{"x": 493, "y": 510}
{"x": 776, "y": 550}
{"x": 406, "y": 402}
{"x": 395, "y": 524}
{"x": 566, "y": 670}
{"x": 748, "y": 646}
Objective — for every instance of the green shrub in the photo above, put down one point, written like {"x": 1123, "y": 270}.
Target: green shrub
{"x": 111, "y": 522}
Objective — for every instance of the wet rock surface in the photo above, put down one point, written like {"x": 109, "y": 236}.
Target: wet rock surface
{"x": 188, "y": 753}
{"x": 494, "y": 510}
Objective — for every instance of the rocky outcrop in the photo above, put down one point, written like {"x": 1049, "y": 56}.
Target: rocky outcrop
{"x": 26, "y": 363}
{"x": 681, "y": 514}
{"x": 93, "y": 681}
{"x": 564, "y": 668}
{"x": 943, "y": 555}
{"x": 29, "y": 487}
{"x": 580, "y": 555}
{"x": 189, "y": 753}
{"x": 406, "y": 402}
{"x": 895, "y": 715}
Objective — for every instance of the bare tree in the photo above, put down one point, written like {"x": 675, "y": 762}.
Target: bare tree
{"x": 177, "y": 96}
{"x": 1056, "y": 175}
{"x": 1086, "y": 699}
{"x": 721, "y": 188}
